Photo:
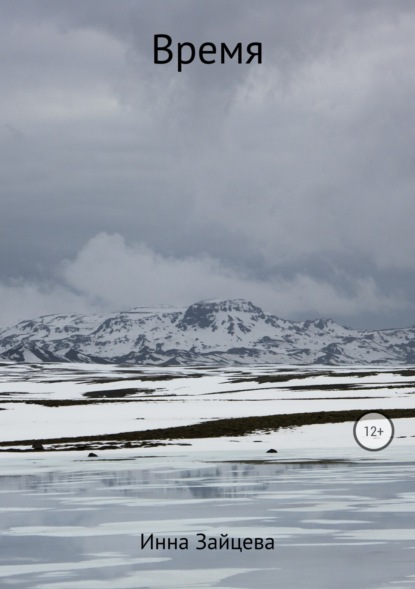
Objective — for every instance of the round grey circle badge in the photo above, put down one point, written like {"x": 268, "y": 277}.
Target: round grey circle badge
{"x": 373, "y": 431}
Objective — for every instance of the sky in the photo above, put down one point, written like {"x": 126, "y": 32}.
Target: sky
{"x": 290, "y": 183}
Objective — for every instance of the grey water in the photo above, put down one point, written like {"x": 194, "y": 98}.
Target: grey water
{"x": 334, "y": 524}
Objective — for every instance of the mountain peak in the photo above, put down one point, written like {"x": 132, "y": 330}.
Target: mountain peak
{"x": 205, "y": 314}
{"x": 228, "y": 305}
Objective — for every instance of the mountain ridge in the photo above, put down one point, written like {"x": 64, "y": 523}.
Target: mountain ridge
{"x": 211, "y": 332}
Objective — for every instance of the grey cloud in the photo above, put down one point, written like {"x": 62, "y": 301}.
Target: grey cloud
{"x": 300, "y": 167}
{"x": 109, "y": 274}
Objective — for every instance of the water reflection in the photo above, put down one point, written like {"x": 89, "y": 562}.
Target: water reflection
{"x": 70, "y": 530}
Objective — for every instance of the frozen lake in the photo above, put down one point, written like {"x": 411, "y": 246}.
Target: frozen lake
{"x": 68, "y": 522}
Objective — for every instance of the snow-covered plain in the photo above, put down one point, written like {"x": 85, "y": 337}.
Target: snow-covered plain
{"x": 35, "y": 401}
{"x": 69, "y": 521}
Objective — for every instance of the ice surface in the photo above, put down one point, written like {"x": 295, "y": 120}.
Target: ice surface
{"x": 321, "y": 516}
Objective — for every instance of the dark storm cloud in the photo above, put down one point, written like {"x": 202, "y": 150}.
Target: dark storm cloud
{"x": 291, "y": 182}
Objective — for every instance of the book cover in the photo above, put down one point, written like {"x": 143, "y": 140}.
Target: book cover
{"x": 207, "y": 337}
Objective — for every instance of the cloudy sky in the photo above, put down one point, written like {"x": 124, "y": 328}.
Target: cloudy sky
{"x": 290, "y": 183}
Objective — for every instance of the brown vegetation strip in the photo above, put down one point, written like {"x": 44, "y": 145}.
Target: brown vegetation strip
{"x": 69, "y": 402}
{"x": 239, "y": 426}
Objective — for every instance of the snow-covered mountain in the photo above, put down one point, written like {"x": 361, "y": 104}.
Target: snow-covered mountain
{"x": 206, "y": 333}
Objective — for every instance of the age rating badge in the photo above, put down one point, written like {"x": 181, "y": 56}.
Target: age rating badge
{"x": 373, "y": 431}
